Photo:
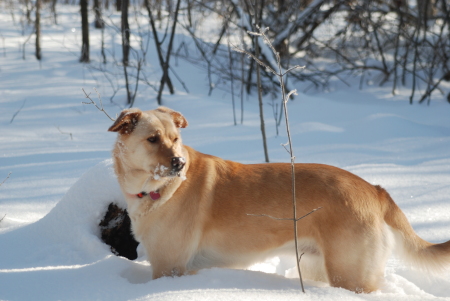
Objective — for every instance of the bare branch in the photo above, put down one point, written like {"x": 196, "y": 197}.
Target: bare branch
{"x": 293, "y": 92}
{"x": 287, "y": 218}
{"x": 179, "y": 79}
{"x": 64, "y": 133}
{"x": 235, "y": 48}
{"x": 300, "y": 258}
{"x": 100, "y": 108}
{"x": 311, "y": 212}
{"x": 9, "y": 174}
{"x": 272, "y": 217}
{"x": 284, "y": 145}
{"x": 18, "y": 111}
{"x": 293, "y": 68}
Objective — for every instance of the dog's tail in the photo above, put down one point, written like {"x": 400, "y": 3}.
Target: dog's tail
{"x": 434, "y": 258}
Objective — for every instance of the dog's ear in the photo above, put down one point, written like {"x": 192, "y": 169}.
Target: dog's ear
{"x": 178, "y": 118}
{"x": 126, "y": 122}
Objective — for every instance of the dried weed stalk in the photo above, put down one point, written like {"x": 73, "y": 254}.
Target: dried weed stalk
{"x": 280, "y": 74}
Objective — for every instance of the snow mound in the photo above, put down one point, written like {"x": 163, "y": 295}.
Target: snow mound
{"x": 69, "y": 233}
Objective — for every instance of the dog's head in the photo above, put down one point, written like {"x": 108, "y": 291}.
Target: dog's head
{"x": 149, "y": 143}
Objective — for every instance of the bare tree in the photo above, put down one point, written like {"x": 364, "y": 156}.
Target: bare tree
{"x": 53, "y": 9}
{"x": 125, "y": 30}
{"x": 38, "y": 29}
{"x": 118, "y": 4}
{"x": 85, "y": 31}
{"x": 99, "y": 24}
{"x": 164, "y": 61}
{"x": 258, "y": 13}
{"x": 385, "y": 42}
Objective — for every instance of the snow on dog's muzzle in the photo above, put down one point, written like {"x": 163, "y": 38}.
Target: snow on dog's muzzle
{"x": 178, "y": 164}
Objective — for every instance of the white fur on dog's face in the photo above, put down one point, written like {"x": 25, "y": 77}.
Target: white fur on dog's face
{"x": 146, "y": 144}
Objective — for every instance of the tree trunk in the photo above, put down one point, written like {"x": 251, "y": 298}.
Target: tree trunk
{"x": 85, "y": 32}
{"x": 165, "y": 78}
{"x": 54, "y": 11}
{"x": 28, "y": 11}
{"x": 38, "y": 29}
{"x": 98, "y": 15}
{"x": 125, "y": 27}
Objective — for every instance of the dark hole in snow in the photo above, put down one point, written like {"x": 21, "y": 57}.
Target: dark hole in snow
{"x": 115, "y": 229}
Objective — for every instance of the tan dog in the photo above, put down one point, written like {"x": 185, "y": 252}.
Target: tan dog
{"x": 191, "y": 211}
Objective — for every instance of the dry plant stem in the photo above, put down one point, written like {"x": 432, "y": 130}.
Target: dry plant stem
{"x": 286, "y": 218}
{"x": 18, "y": 111}
{"x": 294, "y": 203}
{"x": 9, "y": 174}
{"x": 285, "y": 98}
{"x": 100, "y": 108}
{"x": 65, "y": 133}
{"x": 232, "y": 83}
{"x": 258, "y": 79}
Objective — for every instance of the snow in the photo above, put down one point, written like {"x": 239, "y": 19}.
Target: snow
{"x": 62, "y": 179}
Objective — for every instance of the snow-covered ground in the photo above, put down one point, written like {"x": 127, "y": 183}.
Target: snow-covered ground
{"x": 61, "y": 183}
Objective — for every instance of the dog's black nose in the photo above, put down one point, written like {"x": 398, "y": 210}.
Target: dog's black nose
{"x": 178, "y": 163}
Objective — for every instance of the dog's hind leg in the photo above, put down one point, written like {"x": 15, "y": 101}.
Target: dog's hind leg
{"x": 357, "y": 262}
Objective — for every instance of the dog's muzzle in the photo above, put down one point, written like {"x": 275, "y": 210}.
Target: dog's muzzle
{"x": 178, "y": 164}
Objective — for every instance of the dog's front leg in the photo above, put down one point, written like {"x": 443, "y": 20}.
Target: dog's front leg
{"x": 161, "y": 269}
{"x": 168, "y": 260}
{"x": 167, "y": 270}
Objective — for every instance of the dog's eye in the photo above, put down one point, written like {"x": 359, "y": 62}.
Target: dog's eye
{"x": 175, "y": 140}
{"x": 153, "y": 139}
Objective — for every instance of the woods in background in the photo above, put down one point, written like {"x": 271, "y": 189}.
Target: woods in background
{"x": 393, "y": 42}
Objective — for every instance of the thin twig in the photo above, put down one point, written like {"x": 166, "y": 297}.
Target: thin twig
{"x": 18, "y": 111}
{"x": 179, "y": 79}
{"x": 64, "y": 133}
{"x": 293, "y": 68}
{"x": 287, "y": 218}
{"x": 9, "y": 174}
{"x": 269, "y": 69}
{"x": 100, "y": 108}
{"x": 300, "y": 258}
